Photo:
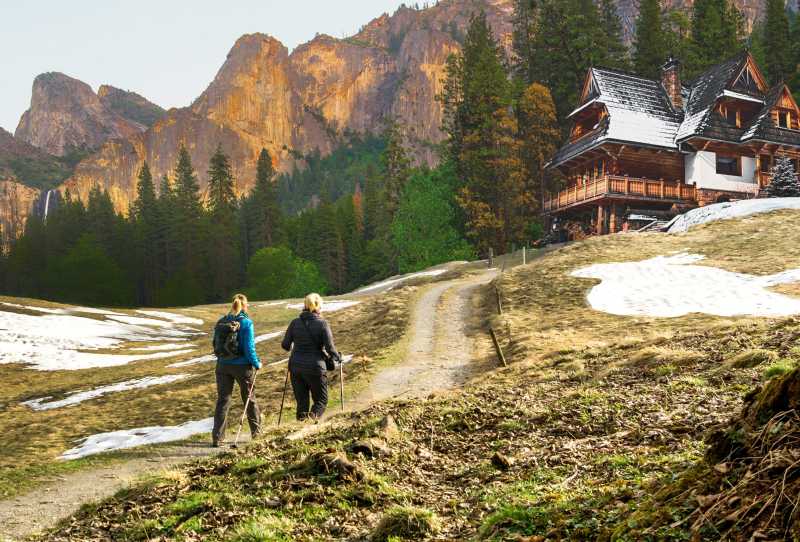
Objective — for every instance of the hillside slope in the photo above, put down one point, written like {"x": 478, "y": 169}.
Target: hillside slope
{"x": 595, "y": 414}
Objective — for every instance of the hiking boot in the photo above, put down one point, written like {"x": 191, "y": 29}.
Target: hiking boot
{"x": 256, "y": 434}
{"x": 216, "y": 443}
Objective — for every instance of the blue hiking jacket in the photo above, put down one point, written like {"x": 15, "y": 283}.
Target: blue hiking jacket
{"x": 247, "y": 343}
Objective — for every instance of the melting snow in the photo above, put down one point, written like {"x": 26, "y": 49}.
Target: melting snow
{"x": 130, "y": 438}
{"x": 391, "y": 283}
{"x": 736, "y": 209}
{"x": 328, "y": 306}
{"x": 76, "y": 397}
{"x": 171, "y": 346}
{"x": 193, "y": 361}
{"x": 52, "y": 342}
{"x": 172, "y": 317}
{"x": 668, "y": 286}
{"x": 267, "y": 336}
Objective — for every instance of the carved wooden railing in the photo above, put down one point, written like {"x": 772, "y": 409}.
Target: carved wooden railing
{"x": 625, "y": 186}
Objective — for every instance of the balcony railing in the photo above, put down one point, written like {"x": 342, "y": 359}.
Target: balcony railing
{"x": 614, "y": 185}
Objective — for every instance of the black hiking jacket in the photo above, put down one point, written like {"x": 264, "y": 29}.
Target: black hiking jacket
{"x": 308, "y": 345}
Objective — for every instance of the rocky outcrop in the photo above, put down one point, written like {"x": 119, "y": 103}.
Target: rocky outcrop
{"x": 16, "y": 204}
{"x": 291, "y": 104}
{"x": 130, "y": 105}
{"x": 28, "y": 164}
{"x": 65, "y": 115}
{"x": 295, "y": 103}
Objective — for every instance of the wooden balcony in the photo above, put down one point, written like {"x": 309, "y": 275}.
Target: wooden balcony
{"x": 618, "y": 187}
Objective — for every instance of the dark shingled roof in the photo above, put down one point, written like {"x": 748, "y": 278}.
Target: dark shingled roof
{"x": 640, "y": 112}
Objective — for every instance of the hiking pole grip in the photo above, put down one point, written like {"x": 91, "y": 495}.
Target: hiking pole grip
{"x": 283, "y": 399}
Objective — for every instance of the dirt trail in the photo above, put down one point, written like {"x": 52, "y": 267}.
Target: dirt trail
{"x": 440, "y": 356}
{"x": 63, "y": 495}
{"x": 441, "y": 353}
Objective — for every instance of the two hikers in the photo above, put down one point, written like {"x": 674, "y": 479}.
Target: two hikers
{"x": 310, "y": 339}
{"x": 237, "y": 361}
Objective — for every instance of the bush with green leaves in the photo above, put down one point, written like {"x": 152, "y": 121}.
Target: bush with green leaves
{"x": 276, "y": 273}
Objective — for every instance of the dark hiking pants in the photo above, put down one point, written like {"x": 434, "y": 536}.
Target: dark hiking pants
{"x": 313, "y": 380}
{"x": 226, "y": 376}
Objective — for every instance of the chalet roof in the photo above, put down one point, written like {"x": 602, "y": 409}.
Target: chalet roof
{"x": 640, "y": 112}
{"x": 763, "y": 126}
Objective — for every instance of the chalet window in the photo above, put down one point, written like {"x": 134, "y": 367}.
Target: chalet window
{"x": 729, "y": 165}
{"x": 785, "y": 119}
{"x": 766, "y": 163}
{"x": 730, "y": 115}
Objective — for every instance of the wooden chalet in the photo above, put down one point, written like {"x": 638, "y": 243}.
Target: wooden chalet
{"x": 643, "y": 149}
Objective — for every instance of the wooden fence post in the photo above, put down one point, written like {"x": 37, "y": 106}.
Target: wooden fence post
{"x": 497, "y": 348}
{"x": 491, "y": 258}
{"x": 524, "y": 255}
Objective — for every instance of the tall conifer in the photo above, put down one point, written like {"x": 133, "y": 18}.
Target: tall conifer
{"x": 649, "y": 43}
{"x": 779, "y": 63}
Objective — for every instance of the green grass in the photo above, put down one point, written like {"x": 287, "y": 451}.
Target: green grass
{"x": 778, "y": 368}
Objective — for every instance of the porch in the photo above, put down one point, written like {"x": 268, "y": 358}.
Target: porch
{"x": 622, "y": 188}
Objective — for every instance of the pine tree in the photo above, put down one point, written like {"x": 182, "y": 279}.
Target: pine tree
{"x": 221, "y": 195}
{"x": 650, "y": 43}
{"x": 539, "y": 133}
{"x": 716, "y": 29}
{"x": 524, "y": 27}
{"x": 676, "y": 27}
{"x": 779, "y": 62}
{"x": 222, "y": 265}
{"x": 188, "y": 212}
{"x": 613, "y": 43}
{"x": 396, "y": 166}
{"x": 265, "y": 196}
{"x": 794, "y": 78}
{"x": 144, "y": 215}
{"x": 785, "y": 182}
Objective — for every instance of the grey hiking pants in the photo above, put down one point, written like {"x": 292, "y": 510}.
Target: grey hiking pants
{"x": 226, "y": 376}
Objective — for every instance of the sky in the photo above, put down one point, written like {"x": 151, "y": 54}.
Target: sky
{"x": 166, "y": 50}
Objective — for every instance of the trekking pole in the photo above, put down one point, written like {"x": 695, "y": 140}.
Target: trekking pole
{"x": 341, "y": 384}
{"x": 246, "y": 404}
{"x": 283, "y": 399}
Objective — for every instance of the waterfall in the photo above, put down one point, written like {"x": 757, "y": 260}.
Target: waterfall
{"x": 47, "y": 203}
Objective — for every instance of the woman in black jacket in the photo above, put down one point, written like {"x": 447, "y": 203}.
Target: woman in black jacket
{"x": 313, "y": 342}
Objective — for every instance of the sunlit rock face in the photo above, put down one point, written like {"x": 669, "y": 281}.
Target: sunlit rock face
{"x": 16, "y": 203}
{"x": 66, "y": 114}
{"x": 292, "y": 103}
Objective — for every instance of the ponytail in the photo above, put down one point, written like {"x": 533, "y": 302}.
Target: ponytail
{"x": 237, "y": 306}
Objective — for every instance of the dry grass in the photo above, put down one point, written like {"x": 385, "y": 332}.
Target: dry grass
{"x": 34, "y": 439}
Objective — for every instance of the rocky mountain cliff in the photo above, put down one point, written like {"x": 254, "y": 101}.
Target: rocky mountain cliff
{"x": 30, "y": 165}
{"x": 66, "y": 115}
{"x": 288, "y": 103}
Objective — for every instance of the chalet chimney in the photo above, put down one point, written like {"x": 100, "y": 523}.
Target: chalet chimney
{"x": 671, "y": 79}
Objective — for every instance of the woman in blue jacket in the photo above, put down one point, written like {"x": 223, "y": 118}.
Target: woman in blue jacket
{"x": 241, "y": 369}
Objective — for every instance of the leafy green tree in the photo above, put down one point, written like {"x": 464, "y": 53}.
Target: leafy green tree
{"x": 423, "y": 229}
{"x": 275, "y": 273}
{"x": 650, "y": 44}
{"x": 780, "y": 63}
{"x": 87, "y": 274}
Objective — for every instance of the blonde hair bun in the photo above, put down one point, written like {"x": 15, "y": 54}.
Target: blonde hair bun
{"x": 239, "y": 301}
{"x": 313, "y": 302}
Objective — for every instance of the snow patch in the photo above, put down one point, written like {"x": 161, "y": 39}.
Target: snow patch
{"x": 391, "y": 283}
{"x": 159, "y": 347}
{"x": 172, "y": 317}
{"x": 327, "y": 306}
{"x": 75, "y": 397}
{"x": 193, "y": 361}
{"x": 52, "y": 342}
{"x": 267, "y": 336}
{"x": 735, "y": 209}
{"x": 130, "y": 438}
{"x": 670, "y": 286}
